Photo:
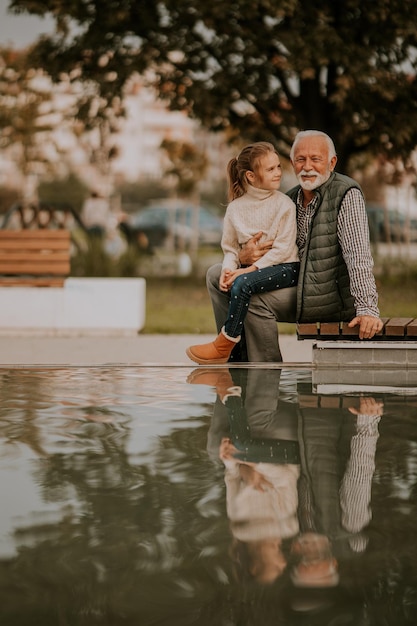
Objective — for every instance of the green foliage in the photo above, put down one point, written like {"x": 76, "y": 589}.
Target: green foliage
{"x": 69, "y": 189}
{"x": 92, "y": 259}
{"x": 138, "y": 194}
{"x": 8, "y": 197}
{"x": 264, "y": 68}
{"x": 187, "y": 165}
{"x": 216, "y": 197}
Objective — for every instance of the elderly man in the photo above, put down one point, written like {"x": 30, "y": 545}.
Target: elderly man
{"x": 336, "y": 276}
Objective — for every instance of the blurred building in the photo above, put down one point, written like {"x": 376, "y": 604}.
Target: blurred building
{"x": 138, "y": 155}
{"x": 148, "y": 123}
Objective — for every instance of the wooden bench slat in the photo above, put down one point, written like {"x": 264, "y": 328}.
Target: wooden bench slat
{"x": 32, "y": 245}
{"x": 29, "y": 281}
{"x": 396, "y": 326}
{"x": 35, "y": 240}
{"x": 412, "y": 328}
{"x": 33, "y": 255}
{"x": 37, "y": 234}
{"x": 328, "y": 402}
{"x": 308, "y": 329}
{"x": 329, "y": 328}
{"x": 37, "y": 258}
{"x": 37, "y": 268}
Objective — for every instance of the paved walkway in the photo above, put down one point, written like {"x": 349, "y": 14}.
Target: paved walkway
{"x": 167, "y": 350}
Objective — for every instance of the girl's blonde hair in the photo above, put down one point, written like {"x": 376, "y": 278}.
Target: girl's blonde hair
{"x": 247, "y": 160}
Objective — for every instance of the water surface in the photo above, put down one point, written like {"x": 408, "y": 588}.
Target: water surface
{"x": 231, "y": 497}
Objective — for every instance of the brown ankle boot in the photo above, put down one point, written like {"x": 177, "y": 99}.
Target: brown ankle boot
{"x": 215, "y": 352}
{"x": 220, "y": 378}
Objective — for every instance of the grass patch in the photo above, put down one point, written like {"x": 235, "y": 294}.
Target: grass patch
{"x": 178, "y": 305}
{"x": 397, "y": 298}
{"x": 182, "y": 305}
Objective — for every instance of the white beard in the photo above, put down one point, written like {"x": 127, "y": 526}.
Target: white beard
{"x": 308, "y": 185}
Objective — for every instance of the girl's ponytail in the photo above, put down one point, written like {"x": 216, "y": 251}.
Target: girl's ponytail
{"x": 235, "y": 187}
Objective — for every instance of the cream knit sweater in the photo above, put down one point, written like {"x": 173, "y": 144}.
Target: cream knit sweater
{"x": 258, "y": 209}
{"x": 267, "y": 513}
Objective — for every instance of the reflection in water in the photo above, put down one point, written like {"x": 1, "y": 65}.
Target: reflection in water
{"x": 213, "y": 496}
{"x": 261, "y": 459}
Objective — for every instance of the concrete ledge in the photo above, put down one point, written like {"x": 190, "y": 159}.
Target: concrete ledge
{"x": 334, "y": 380}
{"x": 83, "y": 306}
{"x": 347, "y": 354}
{"x": 141, "y": 350}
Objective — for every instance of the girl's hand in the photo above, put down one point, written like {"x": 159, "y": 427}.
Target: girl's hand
{"x": 223, "y": 282}
{"x": 227, "y": 450}
{"x": 231, "y": 276}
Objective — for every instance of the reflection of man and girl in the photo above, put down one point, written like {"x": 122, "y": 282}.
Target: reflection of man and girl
{"x": 298, "y": 476}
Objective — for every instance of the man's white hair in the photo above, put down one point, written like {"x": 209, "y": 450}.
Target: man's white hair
{"x": 313, "y": 133}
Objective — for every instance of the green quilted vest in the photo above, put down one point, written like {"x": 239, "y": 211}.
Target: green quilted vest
{"x": 323, "y": 292}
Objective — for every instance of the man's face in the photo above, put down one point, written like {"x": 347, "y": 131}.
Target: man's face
{"x": 311, "y": 163}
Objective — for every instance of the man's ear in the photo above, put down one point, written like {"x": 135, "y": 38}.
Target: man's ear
{"x": 333, "y": 162}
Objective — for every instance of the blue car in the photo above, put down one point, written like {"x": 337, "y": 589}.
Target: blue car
{"x": 176, "y": 223}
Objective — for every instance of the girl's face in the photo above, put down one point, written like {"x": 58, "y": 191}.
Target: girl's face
{"x": 267, "y": 560}
{"x": 268, "y": 173}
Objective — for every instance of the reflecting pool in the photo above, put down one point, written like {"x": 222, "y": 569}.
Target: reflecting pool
{"x": 210, "y": 496}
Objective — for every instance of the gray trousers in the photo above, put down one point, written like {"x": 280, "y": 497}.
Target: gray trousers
{"x": 261, "y": 330}
{"x": 272, "y": 411}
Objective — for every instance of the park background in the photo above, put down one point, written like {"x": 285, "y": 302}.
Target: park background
{"x": 144, "y": 104}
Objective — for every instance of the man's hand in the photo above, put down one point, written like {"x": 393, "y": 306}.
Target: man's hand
{"x": 368, "y": 325}
{"x": 250, "y": 475}
{"x": 252, "y": 251}
{"x": 368, "y": 406}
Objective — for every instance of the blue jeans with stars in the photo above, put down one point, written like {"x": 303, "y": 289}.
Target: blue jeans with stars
{"x": 259, "y": 281}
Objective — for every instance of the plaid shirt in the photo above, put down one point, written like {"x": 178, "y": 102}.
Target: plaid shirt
{"x": 353, "y": 235}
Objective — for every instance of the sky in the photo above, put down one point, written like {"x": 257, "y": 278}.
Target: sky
{"x": 21, "y": 30}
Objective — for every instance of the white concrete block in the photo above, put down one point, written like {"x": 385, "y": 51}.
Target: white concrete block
{"x": 82, "y": 306}
{"x": 366, "y": 354}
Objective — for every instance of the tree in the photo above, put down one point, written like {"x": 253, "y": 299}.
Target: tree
{"x": 41, "y": 123}
{"x": 25, "y": 118}
{"x": 260, "y": 68}
{"x": 186, "y": 164}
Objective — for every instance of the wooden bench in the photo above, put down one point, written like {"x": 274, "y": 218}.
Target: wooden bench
{"x": 37, "y": 294}
{"x": 34, "y": 258}
{"x": 394, "y": 329}
{"x": 338, "y": 347}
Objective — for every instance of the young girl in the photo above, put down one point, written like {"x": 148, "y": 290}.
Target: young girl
{"x": 255, "y": 205}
